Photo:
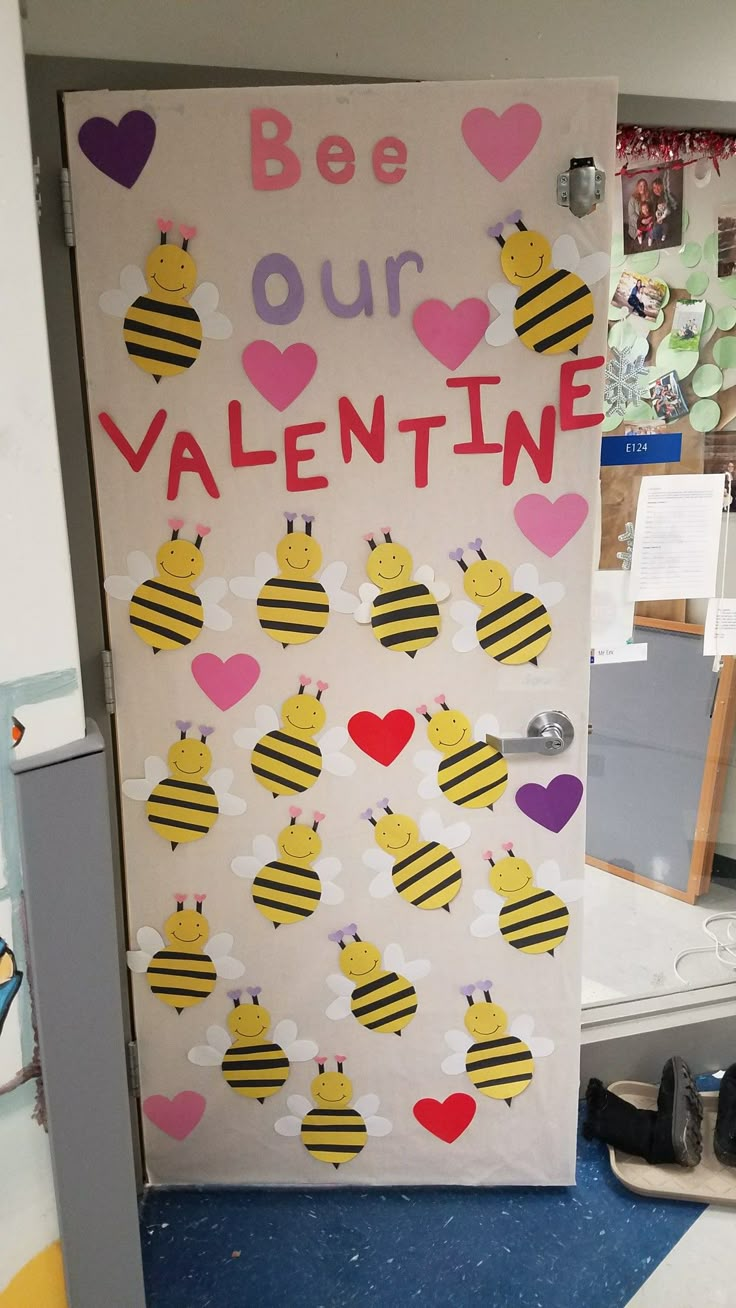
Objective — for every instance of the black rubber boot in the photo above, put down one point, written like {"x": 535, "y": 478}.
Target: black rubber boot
{"x": 670, "y": 1134}
{"x": 724, "y": 1137}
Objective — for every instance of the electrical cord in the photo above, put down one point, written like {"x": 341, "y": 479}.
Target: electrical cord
{"x": 717, "y": 950}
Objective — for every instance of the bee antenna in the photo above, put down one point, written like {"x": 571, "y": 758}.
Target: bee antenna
{"x": 187, "y": 234}
{"x": 235, "y": 996}
{"x": 514, "y": 219}
{"x": 320, "y": 1060}
{"x": 254, "y": 992}
{"x": 304, "y": 681}
{"x": 387, "y": 535}
{"x": 199, "y": 899}
{"x": 337, "y": 937}
{"x": 509, "y": 847}
{"x": 176, "y": 525}
{"x": 367, "y": 816}
{"x": 321, "y": 687}
{"x": 164, "y": 225}
{"x": 488, "y": 856}
{"x": 457, "y": 557}
{"x": 340, "y": 1060}
{"x": 204, "y": 732}
{"x": 318, "y": 817}
{"x": 202, "y": 531}
{"x": 485, "y": 986}
{"x": 424, "y": 712}
{"x": 496, "y": 232}
{"x": 308, "y": 519}
{"x": 477, "y": 545}
{"x": 289, "y": 522}
{"x": 183, "y": 728}
{"x": 468, "y": 992}
{"x": 370, "y": 540}
{"x": 440, "y": 699}
{"x": 180, "y": 898}
{"x": 384, "y": 804}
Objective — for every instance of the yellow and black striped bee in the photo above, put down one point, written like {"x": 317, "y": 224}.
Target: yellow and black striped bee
{"x": 164, "y": 317}
{"x": 287, "y": 883}
{"x": 398, "y": 603}
{"x": 554, "y": 308}
{"x": 333, "y": 1132}
{"x": 471, "y": 773}
{"x": 167, "y": 610}
{"x": 252, "y": 1066}
{"x": 181, "y": 804}
{"x": 498, "y": 1060}
{"x": 514, "y": 627}
{"x": 533, "y": 919}
{"x": 425, "y": 872}
{"x": 379, "y": 995}
{"x": 287, "y": 759}
{"x": 180, "y": 972}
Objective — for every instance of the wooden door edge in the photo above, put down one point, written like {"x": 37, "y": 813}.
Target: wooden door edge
{"x": 687, "y": 896}
{"x": 715, "y": 771}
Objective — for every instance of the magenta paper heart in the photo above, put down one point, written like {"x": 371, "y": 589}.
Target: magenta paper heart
{"x": 500, "y": 144}
{"x": 225, "y": 681}
{"x": 178, "y": 1116}
{"x": 551, "y": 806}
{"x": 450, "y": 335}
{"x": 280, "y": 376}
{"x": 550, "y": 524}
{"x": 119, "y": 150}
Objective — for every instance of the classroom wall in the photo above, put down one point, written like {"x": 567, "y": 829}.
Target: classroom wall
{"x": 686, "y": 55}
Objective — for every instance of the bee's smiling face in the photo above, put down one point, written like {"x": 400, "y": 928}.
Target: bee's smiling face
{"x": 299, "y": 842}
{"x": 390, "y": 566}
{"x": 525, "y": 257}
{"x": 484, "y": 1021}
{"x": 186, "y": 930}
{"x": 298, "y": 556}
{"x": 397, "y": 834}
{"x": 360, "y": 961}
{"x": 249, "y": 1021}
{"x": 303, "y": 714}
{"x": 171, "y": 272}
{"x": 190, "y": 760}
{"x": 449, "y": 730}
{"x": 510, "y": 875}
{"x": 179, "y": 560}
{"x": 332, "y": 1090}
{"x": 486, "y": 582}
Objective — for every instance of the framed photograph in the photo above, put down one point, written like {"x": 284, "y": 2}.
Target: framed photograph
{"x": 652, "y": 209}
{"x": 719, "y": 455}
{"x": 642, "y": 296}
{"x": 667, "y": 398}
{"x": 727, "y": 242}
{"x": 687, "y": 325}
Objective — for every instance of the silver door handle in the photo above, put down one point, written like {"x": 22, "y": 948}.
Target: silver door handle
{"x": 550, "y": 732}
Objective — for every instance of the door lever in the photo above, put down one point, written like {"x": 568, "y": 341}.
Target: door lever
{"x": 550, "y": 732}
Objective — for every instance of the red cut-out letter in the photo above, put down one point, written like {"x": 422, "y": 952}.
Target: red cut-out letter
{"x": 373, "y": 438}
{"x": 293, "y": 456}
{"x": 569, "y": 393}
{"x": 187, "y": 455}
{"x": 238, "y": 456}
{"x": 518, "y": 438}
{"x": 477, "y": 443}
{"x": 389, "y": 157}
{"x": 263, "y": 148}
{"x": 336, "y": 160}
{"x": 421, "y": 427}
{"x": 136, "y": 458}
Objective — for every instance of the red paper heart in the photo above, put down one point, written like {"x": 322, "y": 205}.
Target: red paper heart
{"x": 447, "y": 1119}
{"x": 178, "y": 1116}
{"x": 382, "y": 738}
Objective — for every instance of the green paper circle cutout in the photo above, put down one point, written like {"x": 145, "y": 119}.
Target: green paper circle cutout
{"x": 644, "y": 262}
{"x": 708, "y": 380}
{"x": 707, "y": 319}
{"x": 728, "y": 284}
{"x": 726, "y": 318}
{"x": 705, "y": 415}
{"x": 710, "y": 247}
{"x": 697, "y": 283}
{"x": 658, "y": 321}
{"x": 610, "y": 424}
{"x": 724, "y": 352}
{"x": 639, "y": 414}
{"x": 685, "y": 220}
{"x": 691, "y": 254}
{"x": 683, "y": 362}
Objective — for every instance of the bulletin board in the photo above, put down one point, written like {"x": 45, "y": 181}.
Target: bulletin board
{"x": 344, "y": 358}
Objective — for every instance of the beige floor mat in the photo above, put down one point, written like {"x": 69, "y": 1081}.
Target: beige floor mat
{"x": 708, "y": 1183}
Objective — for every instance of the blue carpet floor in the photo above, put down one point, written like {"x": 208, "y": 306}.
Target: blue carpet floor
{"x": 591, "y": 1246}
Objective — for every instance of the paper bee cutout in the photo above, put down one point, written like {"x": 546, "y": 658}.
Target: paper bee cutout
{"x": 497, "y": 1059}
{"x": 164, "y": 317}
{"x": 332, "y": 1131}
{"x": 471, "y": 773}
{"x": 514, "y": 626}
{"x": 532, "y": 917}
{"x": 286, "y": 757}
{"x": 252, "y": 1066}
{"x": 378, "y": 992}
{"x": 181, "y": 804}
{"x": 416, "y": 861}
{"x": 289, "y": 878}
{"x": 10, "y": 980}
{"x": 167, "y": 610}
{"x": 398, "y": 603}
{"x": 182, "y": 968}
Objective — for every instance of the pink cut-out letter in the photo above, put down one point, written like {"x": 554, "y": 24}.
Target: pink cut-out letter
{"x": 263, "y": 148}
{"x": 569, "y": 393}
{"x": 238, "y": 456}
{"x": 336, "y": 160}
{"x": 373, "y": 438}
{"x": 389, "y": 156}
{"x": 187, "y": 455}
{"x": 421, "y": 427}
{"x": 477, "y": 443}
{"x": 293, "y": 456}
{"x": 518, "y": 438}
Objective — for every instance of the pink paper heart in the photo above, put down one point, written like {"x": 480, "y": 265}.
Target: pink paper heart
{"x": 501, "y": 143}
{"x": 450, "y": 335}
{"x": 177, "y": 1117}
{"x": 225, "y": 681}
{"x": 550, "y": 524}
{"x": 279, "y": 376}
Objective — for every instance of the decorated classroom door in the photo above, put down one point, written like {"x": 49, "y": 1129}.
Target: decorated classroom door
{"x": 344, "y": 358}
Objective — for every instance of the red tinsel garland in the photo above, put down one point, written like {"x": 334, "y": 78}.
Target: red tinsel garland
{"x": 663, "y": 145}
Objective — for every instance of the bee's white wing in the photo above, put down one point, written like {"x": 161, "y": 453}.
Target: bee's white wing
{"x": 154, "y": 770}
{"x": 298, "y": 1105}
{"x": 246, "y": 866}
{"x": 526, "y": 579}
{"x": 333, "y": 760}
{"x": 594, "y": 267}
{"x": 138, "y": 960}
{"x": 339, "y": 984}
{"x": 433, "y": 828}
{"x": 264, "y": 848}
{"x": 570, "y": 890}
{"x": 266, "y": 719}
{"x": 367, "y": 593}
{"x": 132, "y": 284}
{"x": 339, "y": 1008}
{"x": 427, "y": 761}
{"x": 204, "y": 1056}
{"x": 425, "y": 576}
{"x": 327, "y": 870}
{"x": 332, "y": 578}
{"x": 382, "y": 863}
{"x": 218, "y": 946}
{"x": 484, "y": 926}
{"x": 221, "y": 781}
{"x": 298, "y": 1051}
{"x": 149, "y": 939}
{"x": 290, "y": 1126}
{"x": 204, "y": 301}
{"x": 502, "y": 298}
{"x": 459, "y": 1042}
{"x": 522, "y": 1027}
{"x": 466, "y": 615}
{"x": 412, "y": 969}
{"x": 367, "y": 1105}
{"x": 248, "y": 587}
{"x": 140, "y": 569}
{"x": 487, "y": 725}
{"x": 378, "y": 1125}
{"x": 211, "y": 591}
{"x": 229, "y": 969}
{"x": 565, "y": 253}
{"x": 121, "y": 588}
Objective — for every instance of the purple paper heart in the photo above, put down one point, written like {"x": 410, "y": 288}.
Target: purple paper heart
{"x": 119, "y": 150}
{"x": 551, "y": 806}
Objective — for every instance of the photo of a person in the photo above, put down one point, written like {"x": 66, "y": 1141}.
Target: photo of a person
{"x": 728, "y": 488}
{"x": 727, "y": 242}
{"x": 645, "y": 225}
{"x": 719, "y": 455}
{"x": 642, "y": 296}
{"x": 652, "y": 209}
{"x": 667, "y": 398}
{"x": 662, "y": 212}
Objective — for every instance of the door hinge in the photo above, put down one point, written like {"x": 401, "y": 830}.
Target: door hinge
{"x": 108, "y": 679}
{"x": 67, "y": 211}
{"x": 133, "y": 1067}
